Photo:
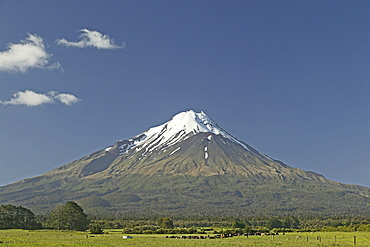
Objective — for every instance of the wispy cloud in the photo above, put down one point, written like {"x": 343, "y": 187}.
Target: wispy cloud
{"x": 92, "y": 39}
{"x": 28, "y": 54}
{"x": 31, "y": 98}
{"x": 66, "y": 98}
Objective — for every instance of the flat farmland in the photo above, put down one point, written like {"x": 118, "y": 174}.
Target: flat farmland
{"x": 114, "y": 238}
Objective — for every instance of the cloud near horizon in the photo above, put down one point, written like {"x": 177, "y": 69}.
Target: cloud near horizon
{"x": 89, "y": 38}
{"x": 31, "y": 98}
{"x": 28, "y": 54}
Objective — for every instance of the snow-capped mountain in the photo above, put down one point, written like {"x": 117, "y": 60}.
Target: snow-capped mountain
{"x": 185, "y": 166}
{"x": 179, "y": 128}
{"x": 168, "y": 145}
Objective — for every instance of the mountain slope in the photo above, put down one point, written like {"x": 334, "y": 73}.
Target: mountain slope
{"x": 188, "y": 165}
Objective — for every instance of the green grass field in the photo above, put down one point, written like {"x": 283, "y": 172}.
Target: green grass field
{"x": 114, "y": 238}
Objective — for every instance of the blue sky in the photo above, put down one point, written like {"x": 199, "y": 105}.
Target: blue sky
{"x": 290, "y": 78}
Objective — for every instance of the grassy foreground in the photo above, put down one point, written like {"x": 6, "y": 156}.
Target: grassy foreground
{"x": 114, "y": 238}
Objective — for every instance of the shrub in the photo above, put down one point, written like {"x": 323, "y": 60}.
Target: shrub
{"x": 96, "y": 229}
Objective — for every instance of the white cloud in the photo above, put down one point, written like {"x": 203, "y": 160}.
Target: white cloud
{"x": 31, "y": 98}
{"x": 91, "y": 38}
{"x": 67, "y": 99}
{"x": 28, "y": 54}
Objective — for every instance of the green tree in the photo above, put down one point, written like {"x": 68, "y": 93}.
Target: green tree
{"x": 96, "y": 229}
{"x": 335, "y": 223}
{"x": 165, "y": 223}
{"x": 69, "y": 216}
{"x": 274, "y": 223}
{"x": 287, "y": 223}
{"x": 56, "y": 218}
{"x": 291, "y": 222}
{"x": 13, "y": 217}
{"x": 237, "y": 224}
{"x": 247, "y": 229}
{"x": 76, "y": 219}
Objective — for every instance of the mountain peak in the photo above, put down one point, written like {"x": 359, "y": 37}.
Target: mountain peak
{"x": 191, "y": 121}
{"x": 179, "y": 128}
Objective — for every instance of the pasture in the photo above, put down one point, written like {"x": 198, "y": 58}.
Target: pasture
{"x": 114, "y": 238}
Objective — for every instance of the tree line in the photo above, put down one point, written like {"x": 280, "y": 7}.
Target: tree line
{"x": 17, "y": 217}
{"x": 64, "y": 217}
{"x": 71, "y": 216}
